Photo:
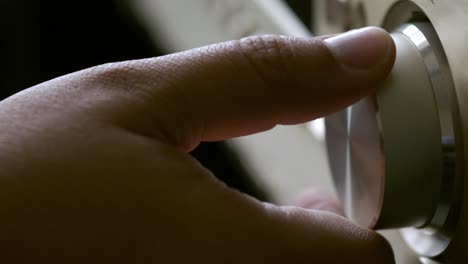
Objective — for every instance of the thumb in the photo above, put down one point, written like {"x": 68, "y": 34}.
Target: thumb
{"x": 327, "y": 238}
{"x": 287, "y": 234}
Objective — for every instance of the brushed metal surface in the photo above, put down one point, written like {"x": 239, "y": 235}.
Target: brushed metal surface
{"x": 357, "y": 161}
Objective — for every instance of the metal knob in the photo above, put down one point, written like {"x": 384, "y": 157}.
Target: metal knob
{"x": 392, "y": 156}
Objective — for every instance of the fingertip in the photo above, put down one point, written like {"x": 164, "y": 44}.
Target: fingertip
{"x": 363, "y": 49}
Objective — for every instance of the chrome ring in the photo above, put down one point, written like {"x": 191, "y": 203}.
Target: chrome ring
{"x": 432, "y": 239}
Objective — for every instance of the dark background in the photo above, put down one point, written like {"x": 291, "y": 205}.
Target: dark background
{"x": 41, "y": 40}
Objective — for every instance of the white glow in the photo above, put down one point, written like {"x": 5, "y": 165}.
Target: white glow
{"x": 416, "y": 36}
{"x": 317, "y": 128}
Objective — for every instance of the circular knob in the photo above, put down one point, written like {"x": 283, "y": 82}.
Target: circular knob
{"x": 387, "y": 152}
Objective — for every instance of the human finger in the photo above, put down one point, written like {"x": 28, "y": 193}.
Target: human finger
{"x": 242, "y": 87}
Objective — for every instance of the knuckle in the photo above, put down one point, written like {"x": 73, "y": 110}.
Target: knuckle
{"x": 271, "y": 58}
{"x": 110, "y": 73}
{"x": 125, "y": 76}
{"x": 274, "y": 52}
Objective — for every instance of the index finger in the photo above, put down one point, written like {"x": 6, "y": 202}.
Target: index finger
{"x": 242, "y": 87}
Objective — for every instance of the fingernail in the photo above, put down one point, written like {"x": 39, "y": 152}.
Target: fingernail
{"x": 361, "y": 49}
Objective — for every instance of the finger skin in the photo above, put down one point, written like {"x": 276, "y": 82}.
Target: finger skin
{"x": 319, "y": 200}
{"x": 232, "y": 89}
{"x": 94, "y": 165}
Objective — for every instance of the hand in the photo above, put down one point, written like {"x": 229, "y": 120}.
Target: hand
{"x": 94, "y": 164}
